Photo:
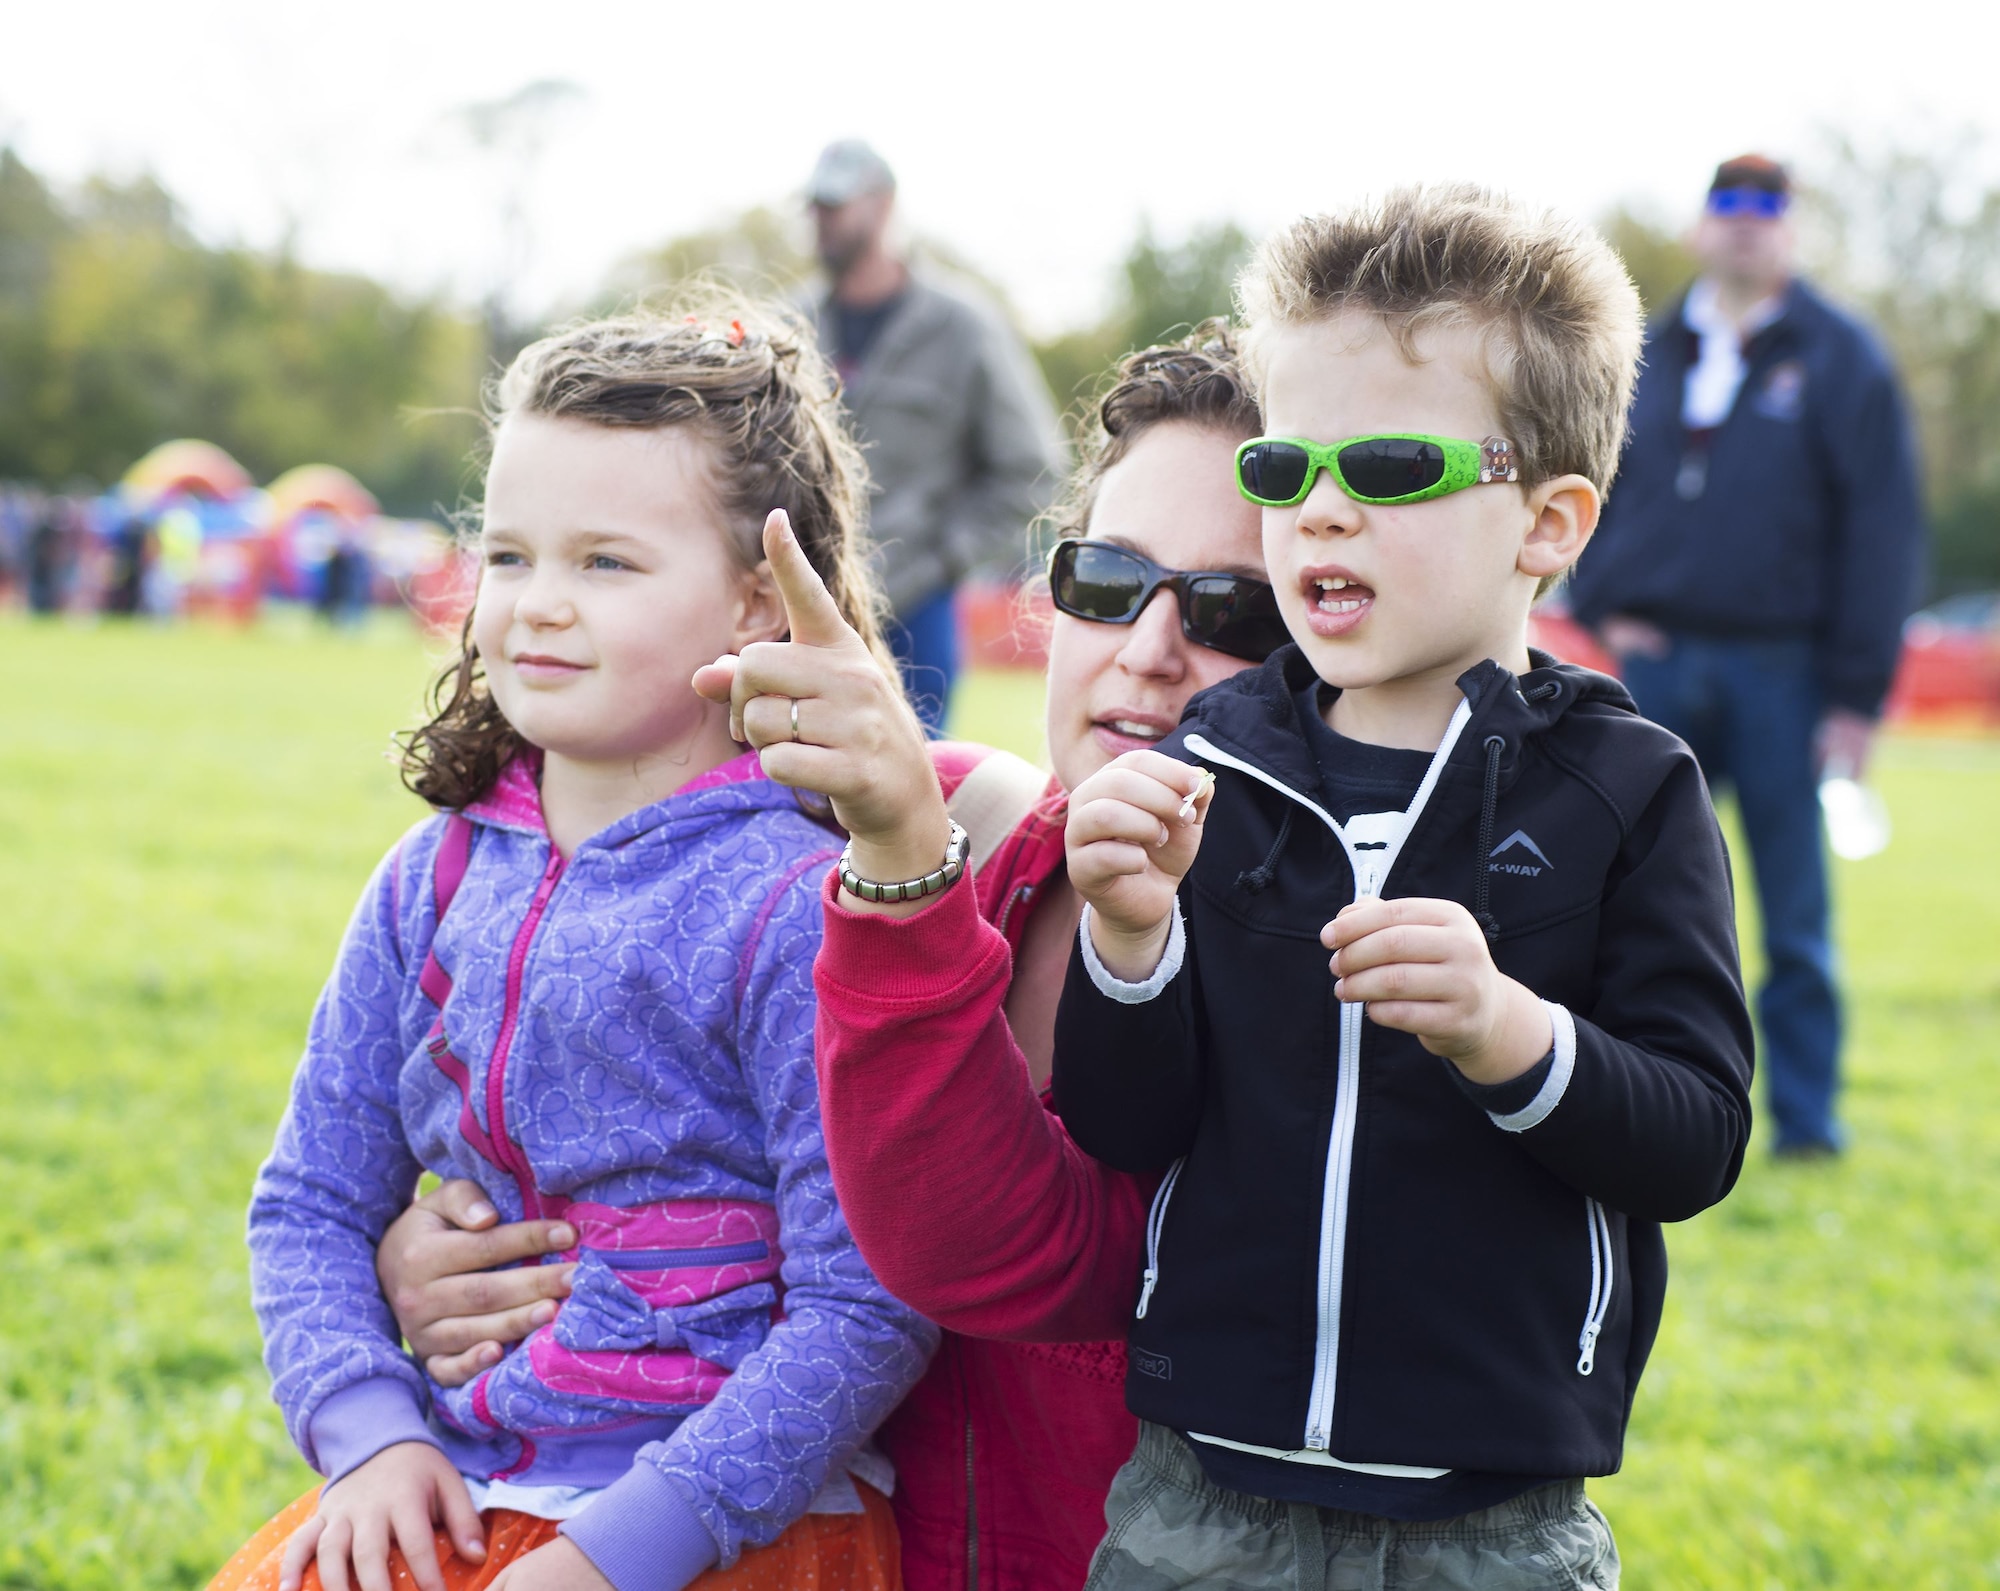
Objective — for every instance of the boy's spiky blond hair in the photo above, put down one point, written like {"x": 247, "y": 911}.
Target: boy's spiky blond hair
{"x": 1560, "y": 317}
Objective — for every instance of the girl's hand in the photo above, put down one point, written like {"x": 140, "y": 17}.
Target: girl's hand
{"x": 858, "y": 743}
{"x": 397, "y": 1499}
{"x": 439, "y": 1268}
{"x": 560, "y": 1566}
{"x": 1424, "y": 967}
{"x": 1129, "y": 847}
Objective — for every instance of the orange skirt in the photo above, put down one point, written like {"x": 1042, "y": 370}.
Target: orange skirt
{"x": 821, "y": 1552}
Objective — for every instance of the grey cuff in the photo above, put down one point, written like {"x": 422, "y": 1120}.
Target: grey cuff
{"x": 359, "y": 1420}
{"x": 1116, "y": 988}
{"x": 1561, "y": 1068}
{"x": 643, "y": 1533}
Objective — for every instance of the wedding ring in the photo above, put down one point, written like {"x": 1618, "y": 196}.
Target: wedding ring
{"x": 795, "y": 718}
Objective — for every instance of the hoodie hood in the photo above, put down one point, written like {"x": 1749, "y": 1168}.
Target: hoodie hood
{"x": 731, "y": 789}
{"x": 1253, "y": 714}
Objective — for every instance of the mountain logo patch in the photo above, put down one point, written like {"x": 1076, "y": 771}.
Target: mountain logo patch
{"x": 1519, "y": 854}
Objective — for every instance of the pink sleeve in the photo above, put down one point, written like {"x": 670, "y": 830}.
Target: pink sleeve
{"x": 964, "y": 1193}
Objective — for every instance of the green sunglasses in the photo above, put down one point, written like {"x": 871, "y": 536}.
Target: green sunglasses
{"x": 1396, "y": 467}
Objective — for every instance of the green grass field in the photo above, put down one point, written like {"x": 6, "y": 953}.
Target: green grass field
{"x": 186, "y": 818}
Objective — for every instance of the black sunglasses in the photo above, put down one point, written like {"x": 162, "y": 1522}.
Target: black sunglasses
{"x": 1107, "y": 584}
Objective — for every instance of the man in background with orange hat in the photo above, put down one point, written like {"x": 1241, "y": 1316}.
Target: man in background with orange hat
{"x": 1752, "y": 573}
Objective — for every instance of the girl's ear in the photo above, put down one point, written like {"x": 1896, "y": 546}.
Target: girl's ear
{"x": 1565, "y": 513}
{"x": 760, "y": 609}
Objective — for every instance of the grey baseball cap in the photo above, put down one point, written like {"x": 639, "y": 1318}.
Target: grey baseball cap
{"x": 846, "y": 170}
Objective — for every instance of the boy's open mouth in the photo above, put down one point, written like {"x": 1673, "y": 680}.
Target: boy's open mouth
{"x": 1335, "y": 600}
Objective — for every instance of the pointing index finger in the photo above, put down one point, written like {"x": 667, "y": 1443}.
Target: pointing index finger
{"x": 814, "y": 618}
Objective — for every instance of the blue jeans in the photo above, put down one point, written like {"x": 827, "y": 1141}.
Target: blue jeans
{"x": 925, "y": 641}
{"x": 1750, "y": 710}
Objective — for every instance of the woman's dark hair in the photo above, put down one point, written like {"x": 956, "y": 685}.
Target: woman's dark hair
{"x": 1197, "y": 380}
{"x": 746, "y": 376}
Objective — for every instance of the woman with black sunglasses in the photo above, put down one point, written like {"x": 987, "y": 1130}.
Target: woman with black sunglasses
{"x": 938, "y": 993}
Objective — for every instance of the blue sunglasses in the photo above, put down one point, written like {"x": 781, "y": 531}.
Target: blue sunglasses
{"x": 1760, "y": 202}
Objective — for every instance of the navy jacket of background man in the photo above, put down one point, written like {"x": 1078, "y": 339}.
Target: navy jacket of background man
{"x": 1798, "y": 517}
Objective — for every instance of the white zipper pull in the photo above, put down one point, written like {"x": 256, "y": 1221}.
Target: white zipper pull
{"x": 1587, "y": 1360}
{"x": 1146, "y": 1292}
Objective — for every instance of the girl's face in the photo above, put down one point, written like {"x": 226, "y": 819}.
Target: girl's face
{"x": 607, "y": 582}
{"x": 1115, "y": 688}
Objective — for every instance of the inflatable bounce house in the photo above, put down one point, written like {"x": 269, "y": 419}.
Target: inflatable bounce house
{"x": 189, "y": 531}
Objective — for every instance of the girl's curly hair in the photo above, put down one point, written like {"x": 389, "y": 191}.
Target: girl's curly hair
{"x": 745, "y": 375}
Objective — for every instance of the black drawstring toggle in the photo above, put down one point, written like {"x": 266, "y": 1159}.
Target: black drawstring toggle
{"x": 1258, "y": 879}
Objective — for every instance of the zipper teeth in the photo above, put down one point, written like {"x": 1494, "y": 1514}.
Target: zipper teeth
{"x": 971, "y": 1514}
{"x": 496, "y": 1072}
{"x": 1340, "y": 1140}
{"x": 1333, "y": 1234}
{"x": 666, "y": 1259}
{"x": 1156, "y": 1221}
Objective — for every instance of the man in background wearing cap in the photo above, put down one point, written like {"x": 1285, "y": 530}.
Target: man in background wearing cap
{"x": 960, "y": 436}
{"x": 1752, "y": 572}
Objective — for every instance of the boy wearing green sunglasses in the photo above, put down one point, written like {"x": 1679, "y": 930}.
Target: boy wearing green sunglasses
{"x": 1405, "y": 1262}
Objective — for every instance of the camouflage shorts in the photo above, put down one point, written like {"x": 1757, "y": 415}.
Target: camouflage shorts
{"x": 1170, "y": 1527}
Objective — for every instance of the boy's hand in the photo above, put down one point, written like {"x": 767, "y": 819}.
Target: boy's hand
{"x": 396, "y": 1499}
{"x": 1423, "y": 966}
{"x": 560, "y": 1566}
{"x": 1129, "y": 847}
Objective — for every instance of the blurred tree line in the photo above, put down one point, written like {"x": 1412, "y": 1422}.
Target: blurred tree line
{"x": 119, "y": 330}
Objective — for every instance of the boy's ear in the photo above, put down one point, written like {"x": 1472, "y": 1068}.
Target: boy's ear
{"x": 760, "y": 608}
{"x": 1565, "y": 512}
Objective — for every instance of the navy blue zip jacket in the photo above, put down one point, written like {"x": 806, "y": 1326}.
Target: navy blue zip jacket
{"x": 1351, "y": 1255}
{"x": 1799, "y": 516}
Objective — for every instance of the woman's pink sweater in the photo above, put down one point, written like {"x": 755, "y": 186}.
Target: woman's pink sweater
{"x": 971, "y": 1204}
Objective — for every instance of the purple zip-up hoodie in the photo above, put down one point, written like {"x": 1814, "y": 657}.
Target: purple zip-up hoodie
{"x": 625, "y": 1041}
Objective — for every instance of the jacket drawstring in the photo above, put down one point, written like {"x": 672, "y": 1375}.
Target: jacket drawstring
{"x": 1489, "y": 806}
{"x": 1257, "y": 879}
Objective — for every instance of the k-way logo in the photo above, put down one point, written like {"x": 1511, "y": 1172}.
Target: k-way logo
{"x": 1519, "y": 843}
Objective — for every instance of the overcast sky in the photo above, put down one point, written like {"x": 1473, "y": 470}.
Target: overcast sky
{"x": 1030, "y": 136}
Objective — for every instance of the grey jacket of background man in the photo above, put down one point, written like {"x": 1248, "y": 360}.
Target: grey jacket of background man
{"x": 961, "y": 440}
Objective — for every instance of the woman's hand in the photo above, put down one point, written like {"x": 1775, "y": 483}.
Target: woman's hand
{"x": 1132, "y": 835}
{"x": 560, "y": 1566}
{"x": 395, "y": 1500}
{"x": 857, "y": 741}
{"x": 437, "y": 1265}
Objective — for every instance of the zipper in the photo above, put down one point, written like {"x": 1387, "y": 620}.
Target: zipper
{"x": 1371, "y": 871}
{"x": 1601, "y": 1275}
{"x": 1015, "y": 898}
{"x": 669, "y": 1259}
{"x": 1156, "y": 1220}
{"x": 510, "y": 1153}
{"x": 971, "y": 1514}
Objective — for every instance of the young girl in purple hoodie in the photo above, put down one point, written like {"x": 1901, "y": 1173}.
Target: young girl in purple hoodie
{"x": 587, "y": 984}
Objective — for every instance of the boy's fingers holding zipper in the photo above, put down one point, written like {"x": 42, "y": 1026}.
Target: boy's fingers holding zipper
{"x": 1371, "y": 914}
{"x": 1353, "y": 921}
